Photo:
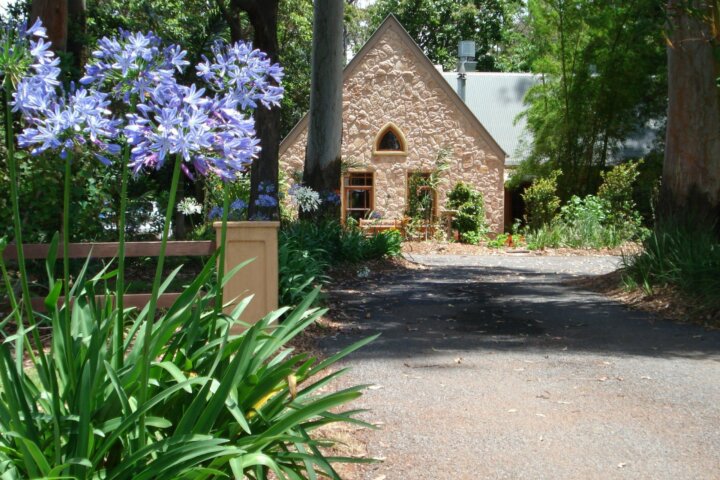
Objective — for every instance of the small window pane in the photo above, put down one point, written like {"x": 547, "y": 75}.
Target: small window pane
{"x": 390, "y": 142}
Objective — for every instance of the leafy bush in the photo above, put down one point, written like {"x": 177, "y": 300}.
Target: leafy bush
{"x": 606, "y": 220}
{"x": 308, "y": 249}
{"x": 469, "y": 221}
{"x": 499, "y": 241}
{"x": 541, "y": 201}
{"x": 617, "y": 193}
{"x": 687, "y": 259}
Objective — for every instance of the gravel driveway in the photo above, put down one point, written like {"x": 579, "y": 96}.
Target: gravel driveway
{"x": 490, "y": 368}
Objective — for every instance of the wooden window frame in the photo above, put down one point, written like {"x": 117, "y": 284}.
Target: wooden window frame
{"x": 346, "y": 186}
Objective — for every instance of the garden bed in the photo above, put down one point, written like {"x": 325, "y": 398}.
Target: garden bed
{"x": 667, "y": 302}
{"x": 452, "y": 248}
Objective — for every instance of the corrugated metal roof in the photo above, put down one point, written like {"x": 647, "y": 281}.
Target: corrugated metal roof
{"x": 496, "y": 99}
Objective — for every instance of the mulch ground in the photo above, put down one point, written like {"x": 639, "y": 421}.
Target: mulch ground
{"x": 666, "y": 302}
{"x": 452, "y": 248}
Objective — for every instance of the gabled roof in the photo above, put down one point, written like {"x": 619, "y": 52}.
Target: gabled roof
{"x": 496, "y": 99}
{"x": 422, "y": 61}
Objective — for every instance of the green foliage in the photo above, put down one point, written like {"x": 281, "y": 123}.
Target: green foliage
{"x": 471, "y": 237}
{"x": 308, "y": 249}
{"x": 438, "y": 25}
{"x": 617, "y": 194}
{"x": 498, "y": 242}
{"x": 603, "y": 67}
{"x": 679, "y": 257}
{"x": 469, "y": 221}
{"x": 541, "y": 201}
{"x": 230, "y": 403}
{"x": 606, "y": 220}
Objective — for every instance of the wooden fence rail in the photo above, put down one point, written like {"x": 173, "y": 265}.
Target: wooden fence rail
{"x": 38, "y": 251}
{"x": 35, "y": 251}
{"x": 256, "y": 241}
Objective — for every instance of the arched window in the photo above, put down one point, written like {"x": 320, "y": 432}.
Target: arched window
{"x": 390, "y": 141}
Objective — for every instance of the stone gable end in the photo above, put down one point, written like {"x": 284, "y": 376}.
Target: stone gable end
{"x": 390, "y": 84}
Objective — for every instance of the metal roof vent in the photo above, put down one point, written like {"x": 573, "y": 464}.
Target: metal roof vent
{"x": 466, "y": 52}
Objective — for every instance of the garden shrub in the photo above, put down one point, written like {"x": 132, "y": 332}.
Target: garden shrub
{"x": 617, "y": 193}
{"x": 680, "y": 257}
{"x": 469, "y": 219}
{"x": 541, "y": 201}
{"x": 308, "y": 249}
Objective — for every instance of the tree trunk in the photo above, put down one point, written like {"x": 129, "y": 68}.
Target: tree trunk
{"x": 691, "y": 171}
{"x": 54, "y": 15}
{"x": 77, "y": 33}
{"x": 263, "y": 15}
{"x": 322, "y": 157}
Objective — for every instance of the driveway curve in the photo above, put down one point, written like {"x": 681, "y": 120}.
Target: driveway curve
{"x": 492, "y": 368}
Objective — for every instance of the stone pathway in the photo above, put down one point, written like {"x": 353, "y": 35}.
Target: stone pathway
{"x": 490, "y": 368}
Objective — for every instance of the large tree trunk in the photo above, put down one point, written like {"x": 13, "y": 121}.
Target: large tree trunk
{"x": 263, "y": 15}
{"x": 322, "y": 157}
{"x": 54, "y": 15}
{"x": 77, "y": 32}
{"x": 691, "y": 172}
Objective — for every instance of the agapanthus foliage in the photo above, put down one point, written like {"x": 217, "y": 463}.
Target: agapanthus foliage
{"x": 57, "y": 119}
{"x": 212, "y": 132}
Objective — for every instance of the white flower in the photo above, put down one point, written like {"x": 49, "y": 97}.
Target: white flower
{"x": 307, "y": 199}
{"x": 189, "y": 206}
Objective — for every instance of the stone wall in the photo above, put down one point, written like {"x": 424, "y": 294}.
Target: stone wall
{"x": 391, "y": 84}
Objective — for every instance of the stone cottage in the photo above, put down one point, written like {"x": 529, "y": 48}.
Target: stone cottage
{"x": 399, "y": 116}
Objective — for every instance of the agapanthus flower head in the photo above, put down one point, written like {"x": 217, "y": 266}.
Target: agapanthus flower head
{"x": 266, "y": 201}
{"x": 189, "y": 206}
{"x": 332, "y": 198}
{"x": 177, "y": 120}
{"x": 238, "y": 205}
{"x": 245, "y": 74}
{"x": 215, "y": 213}
{"x": 130, "y": 65}
{"x": 305, "y": 198}
{"x": 57, "y": 119}
{"x": 23, "y": 48}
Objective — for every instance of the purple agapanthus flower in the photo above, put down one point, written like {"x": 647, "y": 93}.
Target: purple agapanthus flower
{"x": 206, "y": 126}
{"x": 247, "y": 74}
{"x": 215, "y": 213}
{"x": 56, "y": 119}
{"x": 132, "y": 64}
{"x": 266, "y": 201}
{"x": 238, "y": 205}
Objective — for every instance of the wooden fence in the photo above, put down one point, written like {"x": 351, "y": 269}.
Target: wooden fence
{"x": 38, "y": 251}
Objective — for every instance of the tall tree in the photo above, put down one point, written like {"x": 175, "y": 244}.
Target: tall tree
{"x": 691, "y": 171}
{"x": 602, "y": 70}
{"x": 54, "y": 15}
{"x": 263, "y": 16}
{"x": 322, "y": 157}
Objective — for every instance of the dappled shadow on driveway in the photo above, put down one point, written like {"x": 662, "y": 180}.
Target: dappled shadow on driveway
{"x": 502, "y": 308}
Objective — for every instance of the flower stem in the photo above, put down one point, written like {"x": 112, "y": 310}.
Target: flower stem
{"x": 12, "y": 173}
{"x": 221, "y": 256}
{"x": 118, "y": 334}
{"x": 66, "y": 254}
{"x": 152, "y": 307}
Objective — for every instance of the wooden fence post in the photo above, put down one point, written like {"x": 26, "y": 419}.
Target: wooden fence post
{"x": 257, "y": 241}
